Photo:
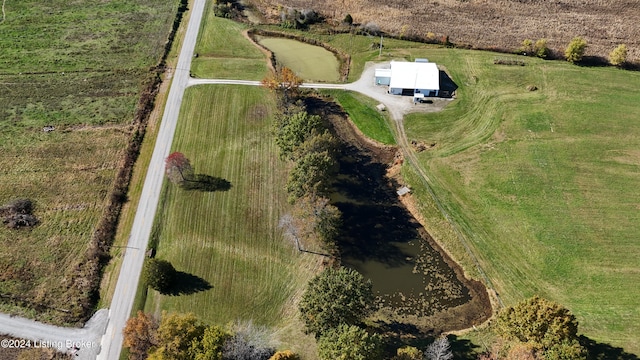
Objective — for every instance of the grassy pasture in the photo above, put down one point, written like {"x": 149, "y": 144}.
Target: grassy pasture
{"x": 223, "y": 52}
{"x": 364, "y": 115}
{"x": 80, "y": 69}
{"x": 542, "y": 183}
{"x": 231, "y": 239}
{"x": 310, "y": 62}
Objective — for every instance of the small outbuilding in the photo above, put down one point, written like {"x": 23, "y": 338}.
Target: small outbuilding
{"x": 382, "y": 76}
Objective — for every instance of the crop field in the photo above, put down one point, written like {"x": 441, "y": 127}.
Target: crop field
{"x": 223, "y": 52}
{"x": 491, "y": 24}
{"x": 79, "y": 69}
{"x": 310, "y": 62}
{"x": 230, "y": 239}
{"x": 544, "y": 183}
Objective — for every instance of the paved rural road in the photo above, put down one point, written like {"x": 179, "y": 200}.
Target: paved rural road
{"x": 125, "y": 291}
{"x": 109, "y": 346}
{"x": 92, "y": 341}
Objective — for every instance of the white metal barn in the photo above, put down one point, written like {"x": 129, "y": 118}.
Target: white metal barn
{"x": 419, "y": 79}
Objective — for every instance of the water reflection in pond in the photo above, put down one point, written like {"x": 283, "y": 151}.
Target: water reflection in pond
{"x": 386, "y": 244}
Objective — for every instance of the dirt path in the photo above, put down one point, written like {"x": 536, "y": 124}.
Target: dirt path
{"x": 4, "y": 15}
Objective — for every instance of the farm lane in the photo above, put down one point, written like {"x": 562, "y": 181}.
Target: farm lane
{"x": 86, "y": 340}
{"x": 194, "y": 81}
{"x": 396, "y": 105}
{"x": 124, "y": 295}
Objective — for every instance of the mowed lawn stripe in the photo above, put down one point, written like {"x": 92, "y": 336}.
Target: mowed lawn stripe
{"x": 544, "y": 183}
{"x": 230, "y": 238}
{"x": 223, "y": 51}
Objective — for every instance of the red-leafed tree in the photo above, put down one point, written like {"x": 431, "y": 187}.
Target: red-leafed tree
{"x": 178, "y": 168}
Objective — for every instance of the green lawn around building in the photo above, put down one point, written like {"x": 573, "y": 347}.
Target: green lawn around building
{"x": 544, "y": 183}
{"x": 230, "y": 239}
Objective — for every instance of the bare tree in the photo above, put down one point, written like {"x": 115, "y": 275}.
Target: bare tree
{"x": 439, "y": 350}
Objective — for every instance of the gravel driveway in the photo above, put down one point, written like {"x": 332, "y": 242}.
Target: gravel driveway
{"x": 397, "y": 105}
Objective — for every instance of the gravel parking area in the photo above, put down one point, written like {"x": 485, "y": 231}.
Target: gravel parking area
{"x": 397, "y": 105}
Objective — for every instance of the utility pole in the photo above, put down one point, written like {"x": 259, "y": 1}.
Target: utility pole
{"x": 380, "y": 52}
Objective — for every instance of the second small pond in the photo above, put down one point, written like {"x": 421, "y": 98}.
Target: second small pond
{"x": 310, "y": 62}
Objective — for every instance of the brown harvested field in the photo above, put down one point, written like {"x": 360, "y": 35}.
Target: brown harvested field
{"x": 496, "y": 24}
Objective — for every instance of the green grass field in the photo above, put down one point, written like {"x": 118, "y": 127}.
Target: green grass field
{"x": 310, "y": 62}
{"x": 230, "y": 239}
{"x": 80, "y": 69}
{"x": 223, "y": 52}
{"x": 543, "y": 184}
{"x": 364, "y": 115}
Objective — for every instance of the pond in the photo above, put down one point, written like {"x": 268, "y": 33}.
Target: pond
{"x": 414, "y": 282}
{"x": 310, "y": 62}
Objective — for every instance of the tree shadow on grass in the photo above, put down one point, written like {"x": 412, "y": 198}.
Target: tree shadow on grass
{"x": 399, "y": 335}
{"x": 463, "y": 349}
{"x": 602, "y": 351}
{"x": 206, "y": 183}
{"x": 186, "y": 284}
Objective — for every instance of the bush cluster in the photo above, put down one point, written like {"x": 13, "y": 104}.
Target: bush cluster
{"x": 291, "y": 18}
{"x": 18, "y": 214}
{"x": 230, "y": 9}
{"x": 184, "y": 336}
{"x": 539, "y": 48}
{"x": 508, "y": 62}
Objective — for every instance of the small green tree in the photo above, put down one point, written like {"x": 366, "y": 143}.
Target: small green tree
{"x": 176, "y": 336}
{"x": 349, "y": 342}
{"x": 318, "y": 142}
{"x": 527, "y": 46}
{"x": 540, "y": 48}
{"x": 159, "y": 274}
{"x": 537, "y": 321}
{"x": 575, "y": 50}
{"x": 336, "y": 296}
{"x": 210, "y": 346}
{"x": 291, "y": 131}
{"x": 312, "y": 174}
{"x": 618, "y": 56}
{"x": 348, "y": 19}
{"x": 408, "y": 353}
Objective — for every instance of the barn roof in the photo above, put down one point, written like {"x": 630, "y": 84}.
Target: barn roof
{"x": 414, "y": 75}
